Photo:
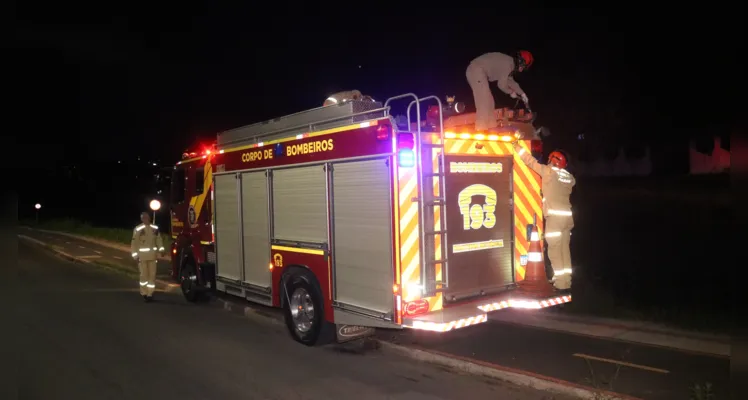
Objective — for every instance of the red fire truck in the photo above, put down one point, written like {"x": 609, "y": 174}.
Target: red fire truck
{"x": 350, "y": 222}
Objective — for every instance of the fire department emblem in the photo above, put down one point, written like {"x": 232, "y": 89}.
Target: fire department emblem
{"x": 191, "y": 215}
{"x": 278, "y": 260}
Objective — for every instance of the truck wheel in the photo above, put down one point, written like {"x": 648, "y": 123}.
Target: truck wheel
{"x": 304, "y": 310}
{"x": 188, "y": 283}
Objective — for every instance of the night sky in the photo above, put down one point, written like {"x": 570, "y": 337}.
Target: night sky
{"x": 106, "y": 83}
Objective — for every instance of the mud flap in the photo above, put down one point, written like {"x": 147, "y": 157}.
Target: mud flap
{"x": 346, "y": 333}
{"x": 208, "y": 275}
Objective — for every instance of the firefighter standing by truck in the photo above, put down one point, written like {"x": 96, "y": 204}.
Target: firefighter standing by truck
{"x": 146, "y": 244}
{"x": 557, "y": 184}
{"x": 499, "y": 68}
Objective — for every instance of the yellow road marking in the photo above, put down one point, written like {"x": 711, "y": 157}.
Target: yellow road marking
{"x": 91, "y": 256}
{"x": 623, "y": 363}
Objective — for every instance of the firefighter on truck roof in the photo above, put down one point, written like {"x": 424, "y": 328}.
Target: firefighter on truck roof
{"x": 557, "y": 184}
{"x": 499, "y": 68}
{"x": 146, "y": 244}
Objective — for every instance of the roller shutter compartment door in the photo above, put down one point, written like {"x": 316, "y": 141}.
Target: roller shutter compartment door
{"x": 228, "y": 228}
{"x": 363, "y": 234}
{"x": 255, "y": 222}
{"x": 300, "y": 204}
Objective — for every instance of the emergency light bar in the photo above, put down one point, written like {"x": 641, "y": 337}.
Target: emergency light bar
{"x": 481, "y": 136}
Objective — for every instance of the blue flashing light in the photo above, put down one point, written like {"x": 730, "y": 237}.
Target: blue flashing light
{"x": 278, "y": 150}
{"x": 406, "y": 158}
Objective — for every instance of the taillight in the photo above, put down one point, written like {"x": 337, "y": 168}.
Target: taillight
{"x": 405, "y": 156}
{"x": 536, "y": 146}
{"x": 416, "y": 307}
{"x": 384, "y": 132}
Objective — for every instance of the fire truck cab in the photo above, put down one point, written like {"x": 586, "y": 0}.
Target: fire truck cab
{"x": 350, "y": 222}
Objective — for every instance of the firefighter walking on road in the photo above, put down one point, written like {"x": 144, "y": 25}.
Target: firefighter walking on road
{"x": 499, "y": 68}
{"x": 146, "y": 245}
{"x": 557, "y": 184}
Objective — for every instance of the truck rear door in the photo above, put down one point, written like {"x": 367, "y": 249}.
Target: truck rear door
{"x": 479, "y": 222}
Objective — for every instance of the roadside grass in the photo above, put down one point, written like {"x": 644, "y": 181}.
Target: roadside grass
{"x": 116, "y": 235}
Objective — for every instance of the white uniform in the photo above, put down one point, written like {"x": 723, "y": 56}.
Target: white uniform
{"x": 146, "y": 244}
{"x": 557, "y": 184}
{"x": 490, "y": 67}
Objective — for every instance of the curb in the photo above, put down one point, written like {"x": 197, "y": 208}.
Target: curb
{"x": 167, "y": 285}
{"x": 517, "y": 377}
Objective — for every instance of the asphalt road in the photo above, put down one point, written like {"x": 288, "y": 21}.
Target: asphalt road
{"x": 82, "y": 332}
{"x": 656, "y": 373}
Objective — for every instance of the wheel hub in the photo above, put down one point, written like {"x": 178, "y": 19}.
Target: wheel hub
{"x": 302, "y": 310}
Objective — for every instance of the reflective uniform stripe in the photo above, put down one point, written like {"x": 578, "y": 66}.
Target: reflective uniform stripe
{"x": 134, "y": 254}
{"x": 143, "y": 283}
{"x": 145, "y": 249}
{"x": 564, "y": 271}
{"x": 559, "y": 212}
{"x": 552, "y": 234}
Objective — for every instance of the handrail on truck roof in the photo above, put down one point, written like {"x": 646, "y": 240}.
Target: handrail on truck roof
{"x": 252, "y": 134}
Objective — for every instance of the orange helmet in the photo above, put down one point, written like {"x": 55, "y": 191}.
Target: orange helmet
{"x": 524, "y": 59}
{"x": 557, "y": 159}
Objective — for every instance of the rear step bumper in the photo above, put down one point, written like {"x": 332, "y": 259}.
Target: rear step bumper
{"x": 476, "y": 312}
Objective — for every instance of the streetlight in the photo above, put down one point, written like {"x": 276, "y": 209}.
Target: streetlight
{"x": 155, "y": 206}
{"x": 37, "y": 206}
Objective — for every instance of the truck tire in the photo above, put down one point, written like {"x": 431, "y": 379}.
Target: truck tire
{"x": 188, "y": 284}
{"x": 303, "y": 309}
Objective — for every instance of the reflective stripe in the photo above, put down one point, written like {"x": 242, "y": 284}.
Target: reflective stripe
{"x": 155, "y": 248}
{"x": 151, "y": 286}
{"x": 564, "y": 271}
{"x": 139, "y": 228}
{"x": 144, "y": 249}
{"x": 143, "y": 283}
{"x": 534, "y": 237}
{"x": 560, "y": 213}
{"x": 161, "y": 249}
{"x": 154, "y": 226}
{"x": 134, "y": 254}
{"x": 552, "y": 234}
{"x": 535, "y": 257}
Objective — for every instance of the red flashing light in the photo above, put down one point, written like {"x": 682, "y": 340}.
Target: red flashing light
{"x": 405, "y": 140}
{"x": 384, "y": 132}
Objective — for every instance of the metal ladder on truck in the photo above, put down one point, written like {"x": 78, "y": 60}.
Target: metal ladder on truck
{"x": 431, "y": 197}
